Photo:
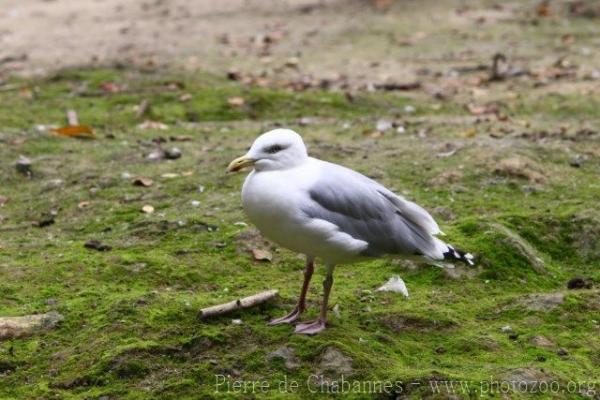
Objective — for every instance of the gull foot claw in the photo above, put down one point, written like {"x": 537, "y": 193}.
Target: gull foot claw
{"x": 310, "y": 328}
{"x": 286, "y": 319}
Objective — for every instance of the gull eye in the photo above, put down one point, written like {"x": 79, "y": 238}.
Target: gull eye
{"x": 276, "y": 148}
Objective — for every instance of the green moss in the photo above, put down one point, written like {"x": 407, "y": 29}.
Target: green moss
{"x": 131, "y": 329}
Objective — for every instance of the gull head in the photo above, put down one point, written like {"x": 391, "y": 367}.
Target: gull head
{"x": 274, "y": 150}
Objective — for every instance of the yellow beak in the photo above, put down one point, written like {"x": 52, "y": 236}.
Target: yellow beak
{"x": 239, "y": 163}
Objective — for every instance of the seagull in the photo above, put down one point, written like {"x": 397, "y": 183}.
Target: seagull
{"x": 327, "y": 211}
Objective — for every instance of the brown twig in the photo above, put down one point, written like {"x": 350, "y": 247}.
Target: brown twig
{"x": 238, "y": 304}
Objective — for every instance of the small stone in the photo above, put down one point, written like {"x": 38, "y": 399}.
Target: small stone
{"x": 195, "y": 203}
{"x": 262, "y": 255}
{"x": 96, "y": 245}
{"x": 156, "y": 155}
{"x": 292, "y": 62}
{"x": 23, "y": 166}
{"x": 562, "y": 352}
{"x": 506, "y": 329}
{"x": 383, "y": 125}
{"x": 578, "y": 283}
{"x": 45, "y": 220}
{"x": 15, "y": 327}
{"x": 173, "y": 153}
{"x": 148, "y": 209}
{"x": 577, "y": 161}
{"x": 141, "y": 181}
{"x": 181, "y": 138}
{"x": 236, "y": 321}
{"x": 153, "y": 125}
{"x": 409, "y": 109}
{"x": 305, "y": 121}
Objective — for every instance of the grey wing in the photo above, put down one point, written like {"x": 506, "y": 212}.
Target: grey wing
{"x": 368, "y": 211}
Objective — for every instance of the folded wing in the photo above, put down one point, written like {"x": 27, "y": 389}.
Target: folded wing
{"x": 368, "y": 211}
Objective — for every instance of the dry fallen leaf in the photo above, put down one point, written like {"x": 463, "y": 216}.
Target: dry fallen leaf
{"x": 543, "y": 9}
{"x": 469, "y": 133}
{"x": 262, "y": 255}
{"x": 141, "y": 181}
{"x": 84, "y": 204}
{"x": 236, "y": 101}
{"x": 148, "y": 209}
{"x": 111, "y": 87}
{"x": 382, "y": 5}
{"x": 26, "y": 93}
{"x": 76, "y": 131}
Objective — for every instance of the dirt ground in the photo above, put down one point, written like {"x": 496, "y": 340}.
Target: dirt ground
{"x": 37, "y": 36}
{"x": 350, "y": 37}
{"x": 361, "y": 43}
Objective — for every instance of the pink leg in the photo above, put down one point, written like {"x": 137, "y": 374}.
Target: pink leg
{"x": 301, "y": 306}
{"x": 314, "y": 327}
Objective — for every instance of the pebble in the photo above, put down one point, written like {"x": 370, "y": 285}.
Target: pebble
{"x": 173, "y": 153}
{"x": 23, "y": 166}
{"x": 577, "y": 161}
{"x": 156, "y": 155}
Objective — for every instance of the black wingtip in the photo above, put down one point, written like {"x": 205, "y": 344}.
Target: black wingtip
{"x": 458, "y": 255}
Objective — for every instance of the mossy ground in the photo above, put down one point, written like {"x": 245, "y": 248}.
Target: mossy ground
{"x": 131, "y": 328}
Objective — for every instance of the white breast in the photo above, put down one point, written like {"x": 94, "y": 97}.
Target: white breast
{"x": 273, "y": 201}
